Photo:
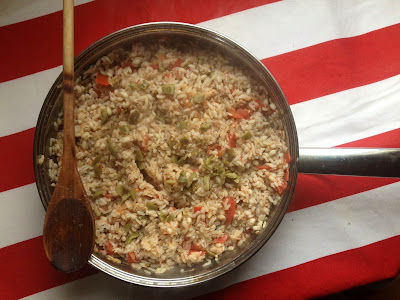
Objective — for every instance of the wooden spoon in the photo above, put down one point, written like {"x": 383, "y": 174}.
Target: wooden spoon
{"x": 68, "y": 231}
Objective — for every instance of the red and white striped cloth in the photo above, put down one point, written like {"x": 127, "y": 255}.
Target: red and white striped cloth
{"x": 338, "y": 63}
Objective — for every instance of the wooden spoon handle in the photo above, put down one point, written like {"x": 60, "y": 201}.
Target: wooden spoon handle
{"x": 68, "y": 83}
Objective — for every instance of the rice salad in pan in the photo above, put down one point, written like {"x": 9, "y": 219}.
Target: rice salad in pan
{"x": 181, "y": 154}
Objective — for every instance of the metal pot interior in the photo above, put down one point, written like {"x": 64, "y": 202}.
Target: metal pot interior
{"x": 183, "y": 34}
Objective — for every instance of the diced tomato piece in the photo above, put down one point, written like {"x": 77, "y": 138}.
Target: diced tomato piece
{"x": 108, "y": 196}
{"x": 287, "y": 156}
{"x": 188, "y": 104}
{"x": 235, "y": 114}
{"x": 219, "y": 153}
{"x": 244, "y": 113}
{"x": 232, "y": 140}
{"x": 132, "y": 259}
{"x": 213, "y": 147}
{"x": 102, "y": 79}
{"x": 191, "y": 251}
{"x": 259, "y": 104}
{"x": 286, "y": 176}
{"x": 177, "y": 63}
{"x": 209, "y": 150}
{"x": 154, "y": 66}
{"x": 110, "y": 249}
{"x": 230, "y": 212}
{"x": 239, "y": 114}
{"x": 221, "y": 239}
{"x": 197, "y": 208}
{"x": 179, "y": 75}
{"x": 196, "y": 247}
{"x": 281, "y": 188}
{"x": 145, "y": 145}
{"x": 263, "y": 167}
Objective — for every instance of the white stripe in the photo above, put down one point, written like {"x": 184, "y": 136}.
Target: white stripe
{"x": 290, "y": 25}
{"x": 22, "y": 99}
{"x": 349, "y": 115}
{"x": 303, "y": 236}
{"x": 266, "y": 31}
{"x": 21, "y": 215}
{"x": 14, "y": 11}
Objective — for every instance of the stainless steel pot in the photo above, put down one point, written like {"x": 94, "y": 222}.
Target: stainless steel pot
{"x": 363, "y": 162}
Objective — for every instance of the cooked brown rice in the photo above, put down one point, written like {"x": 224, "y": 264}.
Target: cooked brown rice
{"x": 155, "y": 130}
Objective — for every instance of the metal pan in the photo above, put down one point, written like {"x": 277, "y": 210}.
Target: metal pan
{"x": 363, "y": 162}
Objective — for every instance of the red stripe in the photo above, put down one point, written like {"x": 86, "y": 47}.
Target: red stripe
{"x": 316, "y": 189}
{"x": 26, "y": 270}
{"x": 323, "y": 276}
{"x": 93, "y": 21}
{"x": 337, "y": 65}
{"x": 17, "y": 161}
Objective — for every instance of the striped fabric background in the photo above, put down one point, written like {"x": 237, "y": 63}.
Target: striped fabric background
{"x": 338, "y": 63}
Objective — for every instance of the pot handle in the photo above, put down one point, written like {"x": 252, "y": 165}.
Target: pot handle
{"x": 383, "y": 162}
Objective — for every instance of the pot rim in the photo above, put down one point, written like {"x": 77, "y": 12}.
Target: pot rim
{"x": 124, "y": 35}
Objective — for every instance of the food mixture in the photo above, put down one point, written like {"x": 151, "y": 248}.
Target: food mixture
{"x": 181, "y": 155}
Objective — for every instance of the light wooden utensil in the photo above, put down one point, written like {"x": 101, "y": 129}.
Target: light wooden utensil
{"x": 68, "y": 231}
